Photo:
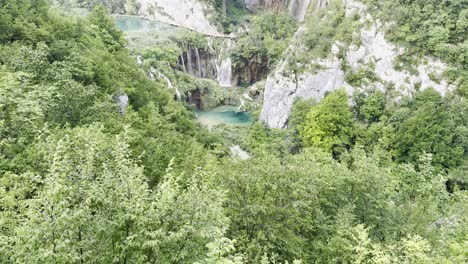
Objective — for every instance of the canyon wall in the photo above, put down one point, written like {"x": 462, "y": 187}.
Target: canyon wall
{"x": 281, "y": 88}
{"x": 297, "y": 8}
{"x": 191, "y": 14}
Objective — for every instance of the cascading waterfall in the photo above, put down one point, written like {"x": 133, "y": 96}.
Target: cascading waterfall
{"x": 197, "y": 55}
{"x": 189, "y": 60}
{"x": 321, "y": 4}
{"x": 210, "y": 45}
{"x": 140, "y": 60}
{"x": 178, "y": 94}
{"x": 183, "y": 61}
{"x": 152, "y": 71}
{"x": 122, "y": 102}
{"x": 170, "y": 86}
{"x": 224, "y": 72}
{"x": 298, "y": 8}
{"x": 242, "y": 105}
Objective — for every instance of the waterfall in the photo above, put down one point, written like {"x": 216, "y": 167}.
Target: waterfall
{"x": 321, "y": 4}
{"x": 298, "y": 8}
{"x": 210, "y": 45}
{"x": 224, "y": 72}
{"x": 242, "y": 105}
{"x": 140, "y": 60}
{"x": 122, "y": 102}
{"x": 169, "y": 83}
{"x": 189, "y": 61}
{"x": 190, "y": 99}
{"x": 197, "y": 55}
{"x": 183, "y": 61}
{"x": 247, "y": 96}
{"x": 152, "y": 71}
{"x": 170, "y": 86}
{"x": 178, "y": 95}
{"x": 224, "y": 6}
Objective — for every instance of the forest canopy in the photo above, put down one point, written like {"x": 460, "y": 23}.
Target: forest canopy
{"x": 360, "y": 179}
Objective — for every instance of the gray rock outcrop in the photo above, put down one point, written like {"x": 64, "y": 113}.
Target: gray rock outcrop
{"x": 121, "y": 100}
{"x": 280, "y": 91}
{"x": 297, "y": 8}
{"x": 189, "y": 14}
{"x": 281, "y": 88}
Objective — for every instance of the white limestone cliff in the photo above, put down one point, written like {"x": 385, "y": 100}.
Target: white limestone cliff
{"x": 190, "y": 14}
{"x": 297, "y": 8}
{"x": 281, "y": 89}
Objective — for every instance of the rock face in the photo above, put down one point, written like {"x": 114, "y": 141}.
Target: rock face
{"x": 184, "y": 13}
{"x": 239, "y": 153}
{"x": 281, "y": 89}
{"x": 297, "y": 8}
{"x": 121, "y": 100}
{"x": 209, "y": 63}
{"x": 198, "y": 62}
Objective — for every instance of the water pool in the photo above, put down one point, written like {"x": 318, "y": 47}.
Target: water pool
{"x": 228, "y": 115}
{"x": 142, "y": 32}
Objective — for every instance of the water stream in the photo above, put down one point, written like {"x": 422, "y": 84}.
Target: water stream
{"x": 224, "y": 72}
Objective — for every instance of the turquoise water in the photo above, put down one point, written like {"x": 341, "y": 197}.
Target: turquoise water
{"x": 131, "y": 24}
{"x": 142, "y": 33}
{"x": 228, "y": 115}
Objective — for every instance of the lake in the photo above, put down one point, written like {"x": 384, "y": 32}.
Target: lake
{"x": 142, "y": 32}
{"x": 228, "y": 115}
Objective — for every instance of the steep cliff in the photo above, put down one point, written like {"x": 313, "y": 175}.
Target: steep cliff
{"x": 374, "y": 56}
{"x": 297, "y": 8}
{"x": 189, "y": 14}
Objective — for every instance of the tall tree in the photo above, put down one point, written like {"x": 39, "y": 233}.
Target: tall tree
{"x": 328, "y": 125}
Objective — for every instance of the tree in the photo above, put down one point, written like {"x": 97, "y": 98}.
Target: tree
{"x": 370, "y": 106}
{"x": 328, "y": 125}
{"x": 261, "y": 47}
{"x": 431, "y": 124}
{"x": 93, "y": 205}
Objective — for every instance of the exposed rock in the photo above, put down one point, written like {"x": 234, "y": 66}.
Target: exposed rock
{"x": 297, "y": 8}
{"x": 122, "y": 102}
{"x": 281, "y": 88}
{"x": 280, "y": 91}
{"x": 376, "y": 50}
{"x": 200, "y": 63}
{"x": 139, "y": 60}
{"x": 189, "y": 14}
{"x": 236, "y": 151}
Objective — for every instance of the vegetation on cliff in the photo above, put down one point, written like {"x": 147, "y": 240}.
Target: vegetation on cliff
{"x": 85, "y": 180}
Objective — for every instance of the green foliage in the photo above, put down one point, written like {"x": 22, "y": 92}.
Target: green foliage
{"x": 328, "y": 125}
{"x": 329, "y": 26}
{"x": 444, "y": 133}
{"x": 93, "y": 205}
{"x": 113, "y": 6}
{"x": 262, "y": 45}
{"x": 227, "y": 14}
{"x": 431, "y": 27}
{"x": 192, "y": 39}
{"x": 370, "y": 106}
{"x": 24, "y": 20}
{"x": 82, "y": 181}
{"x": 361, "y": 76}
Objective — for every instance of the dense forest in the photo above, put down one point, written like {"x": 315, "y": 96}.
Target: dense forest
{"x": 352, "y": 179}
